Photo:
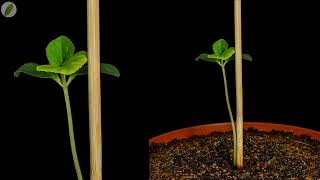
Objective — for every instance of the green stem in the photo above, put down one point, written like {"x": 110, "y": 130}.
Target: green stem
{"x": 71, "y": 77}
{"x": 70, "y": 125}
{"x": 231, "y": 115}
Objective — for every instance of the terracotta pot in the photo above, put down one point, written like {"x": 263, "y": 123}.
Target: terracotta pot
{"x": 224, "y": 127}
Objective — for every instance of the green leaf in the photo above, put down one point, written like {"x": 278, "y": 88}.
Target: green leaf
{"x": 75, "y": 62}
{"x": 206, "y": 57}
{"x": 70, "y": 66}
{"x": 246, "y": 57}
{"x": 220, "y": 46}
{"x": 8, "y": 10}
{"x": 104, "y": 68}
{"x": 109, "y": 69}
{"x": 227, "y": 54}
{"x": 59, "y": 50}
{"x": 30, "y": 69}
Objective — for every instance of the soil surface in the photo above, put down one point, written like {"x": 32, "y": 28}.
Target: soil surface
{"x": 267, "y": 155}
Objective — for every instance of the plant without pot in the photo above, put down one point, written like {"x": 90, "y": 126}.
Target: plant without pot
{"x": 63, "y": 67}
{"x": 274, "y": 151}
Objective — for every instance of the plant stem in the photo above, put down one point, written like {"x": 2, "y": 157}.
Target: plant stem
{"x": 70, "y": 125}
{"x": 71, "y": 77}
{"x": 230, "y": 114}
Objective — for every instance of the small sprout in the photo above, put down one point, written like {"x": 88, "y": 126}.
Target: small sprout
{"x": 63, "y": 67}
{"x": 222, "y": 54}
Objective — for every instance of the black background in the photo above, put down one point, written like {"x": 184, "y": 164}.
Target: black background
{"x": 161, "y": 87}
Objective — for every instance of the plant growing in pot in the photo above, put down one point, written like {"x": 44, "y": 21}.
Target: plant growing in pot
{"x": 65, "y": 65}
{"x": 262, "y": 151}
{"x": 205, "y": 152}
{"x": 222, "y": 55}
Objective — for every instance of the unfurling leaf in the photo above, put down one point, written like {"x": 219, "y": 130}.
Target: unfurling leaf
{"x": 219, "y": 47}
{"x": 70, "y": 66}
{"x": 227, "y": 54}
{"x": 59, "y": 50}
{"x": 224, "y": 56}
{"x": 74, "y": 63}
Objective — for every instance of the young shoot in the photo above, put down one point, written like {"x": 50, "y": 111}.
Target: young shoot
{"x": 64, "y": 65}
{"x": 222, "y": 54}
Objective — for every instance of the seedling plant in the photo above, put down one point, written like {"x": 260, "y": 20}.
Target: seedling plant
{"x": 64, "y": 66}
{"x": 222, "y": 54}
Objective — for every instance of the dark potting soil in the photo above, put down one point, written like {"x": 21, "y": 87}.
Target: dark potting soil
{"x": 267, "y": 155}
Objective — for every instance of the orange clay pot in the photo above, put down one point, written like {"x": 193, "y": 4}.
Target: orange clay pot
{"x": 225, "y": 127}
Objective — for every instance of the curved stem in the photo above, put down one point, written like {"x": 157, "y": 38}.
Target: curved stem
{"x": 231, "y": 115}
{"x": 71, "y": 77}
{"x": 70, "y": 125}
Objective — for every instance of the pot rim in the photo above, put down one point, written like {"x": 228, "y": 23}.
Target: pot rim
{"x": 225, "y": 127}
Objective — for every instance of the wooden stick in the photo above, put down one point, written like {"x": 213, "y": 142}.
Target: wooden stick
{"x": 239, "y": 95}
{"x": 94, "y": 89}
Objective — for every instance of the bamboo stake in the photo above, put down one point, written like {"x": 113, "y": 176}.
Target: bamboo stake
{"x": 239, "y": 95}
{"x": 94, "y": 89}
